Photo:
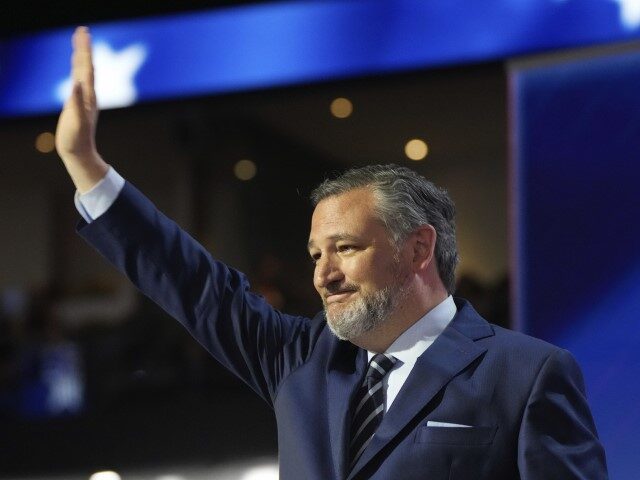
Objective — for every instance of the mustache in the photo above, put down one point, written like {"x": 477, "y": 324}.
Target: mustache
{"x": 333, "y": 288}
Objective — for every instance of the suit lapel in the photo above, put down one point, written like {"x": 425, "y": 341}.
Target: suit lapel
{"x": 451, "y": 353}
{"x": 344, "y": 373}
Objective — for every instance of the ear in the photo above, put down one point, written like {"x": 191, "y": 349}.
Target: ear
{"x": 424, "y": 245}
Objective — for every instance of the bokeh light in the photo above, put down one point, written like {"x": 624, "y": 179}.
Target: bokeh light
{"x": 416, "y": 149}
{"x": 45, "y": 142}
{"x": 105, "y": 475}
{"x": 341, "y": 107}
{"x": 245, "y": 170}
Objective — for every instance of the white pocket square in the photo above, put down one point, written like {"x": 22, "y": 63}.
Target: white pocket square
{"x": 431, "y": 423}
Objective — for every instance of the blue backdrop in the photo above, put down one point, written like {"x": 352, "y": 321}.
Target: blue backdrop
{"x": 276, "y": 44}
{"x": 577, "y": 204}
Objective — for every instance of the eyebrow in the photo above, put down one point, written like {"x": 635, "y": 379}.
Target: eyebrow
{"x": 337, "y": 237}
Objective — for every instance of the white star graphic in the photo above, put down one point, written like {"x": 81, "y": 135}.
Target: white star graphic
{"x": 629, "y": 13}
{"x": 114, "y": 75}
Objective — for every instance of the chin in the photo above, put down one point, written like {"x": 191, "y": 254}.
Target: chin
{"x": 350, "y": 323}
{"x": 364, "y": 313}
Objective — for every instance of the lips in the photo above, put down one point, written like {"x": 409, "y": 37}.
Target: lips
{"x": 338, "y": 296}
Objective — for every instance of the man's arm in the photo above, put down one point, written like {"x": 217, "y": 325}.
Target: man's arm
{"x": 257, "y": 343}
{"x": 75, "y": 134}
{"x": 558, "y": 436}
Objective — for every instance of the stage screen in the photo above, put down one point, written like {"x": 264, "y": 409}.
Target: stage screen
{"x": 286, "y": 43}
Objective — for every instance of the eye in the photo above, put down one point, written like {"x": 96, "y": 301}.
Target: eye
{"x": 346, "y": 248}
{"x": 314, "y": 258}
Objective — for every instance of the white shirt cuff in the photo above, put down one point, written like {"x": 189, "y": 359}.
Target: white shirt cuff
{"x": 96, "y": 201}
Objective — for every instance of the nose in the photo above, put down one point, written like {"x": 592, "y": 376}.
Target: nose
{"x": 327, "y": 271}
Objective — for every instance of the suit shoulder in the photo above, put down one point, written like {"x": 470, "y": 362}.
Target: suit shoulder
{"x": 522, "y": 344}
{"x": 521, "y": 339}
{"x": 525, "y": 360}
{"x": 470, "y": 323}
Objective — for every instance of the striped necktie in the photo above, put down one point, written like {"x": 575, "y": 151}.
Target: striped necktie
{"x": 369, "y": 405}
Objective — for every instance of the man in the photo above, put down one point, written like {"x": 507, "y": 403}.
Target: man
{"x": 395, "y": 379}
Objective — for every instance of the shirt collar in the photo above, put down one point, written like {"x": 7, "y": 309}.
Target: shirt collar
{"x": 418, "y": 337}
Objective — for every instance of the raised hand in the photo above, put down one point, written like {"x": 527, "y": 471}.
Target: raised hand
{"x": 75, "y": 134}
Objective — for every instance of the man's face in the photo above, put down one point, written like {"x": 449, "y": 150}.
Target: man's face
{"x": 357, "y": 272}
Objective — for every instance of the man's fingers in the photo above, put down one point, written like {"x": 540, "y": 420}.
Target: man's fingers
{"x": 82, "y": 63}
{"x": 81, "y": 60}
{"x": 77, "y": 97}
{"x": 75, "y": 102}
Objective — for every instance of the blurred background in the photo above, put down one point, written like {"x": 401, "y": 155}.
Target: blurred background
{"x": 226, "y": 114}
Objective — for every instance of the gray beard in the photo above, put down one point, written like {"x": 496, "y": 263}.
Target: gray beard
{"x": 365, "y": 313}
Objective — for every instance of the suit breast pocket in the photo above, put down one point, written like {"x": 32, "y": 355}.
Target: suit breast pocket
{"x": 469, "y": 436}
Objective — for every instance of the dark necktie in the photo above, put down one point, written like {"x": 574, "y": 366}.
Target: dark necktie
{"x": 369, "y": 406}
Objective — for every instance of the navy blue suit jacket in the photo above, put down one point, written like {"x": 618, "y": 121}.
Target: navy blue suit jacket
{"x": 524, "y": 398}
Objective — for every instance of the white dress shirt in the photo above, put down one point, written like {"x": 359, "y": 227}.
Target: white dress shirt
{"x": 411, "y": 344}
{"x": 406, "y": 348}
{"x": 96, "y": 201}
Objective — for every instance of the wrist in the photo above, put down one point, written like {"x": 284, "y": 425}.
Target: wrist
{"x": 85, "y": 170}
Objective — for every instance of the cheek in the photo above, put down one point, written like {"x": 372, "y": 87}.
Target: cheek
{"x": 355, "y": 269}
{"x": 365, "y": 271}
{"x": 387, "y": 271}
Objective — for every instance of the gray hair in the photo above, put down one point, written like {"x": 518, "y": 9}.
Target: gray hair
{"x": 405, "y": 201}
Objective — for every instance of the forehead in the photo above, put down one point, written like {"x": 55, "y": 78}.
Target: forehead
{"x": 350, "y": 213}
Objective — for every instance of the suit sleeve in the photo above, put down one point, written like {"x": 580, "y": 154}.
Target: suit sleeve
{"x": 254, "y": 341}
{"x": 558, "y": 438}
